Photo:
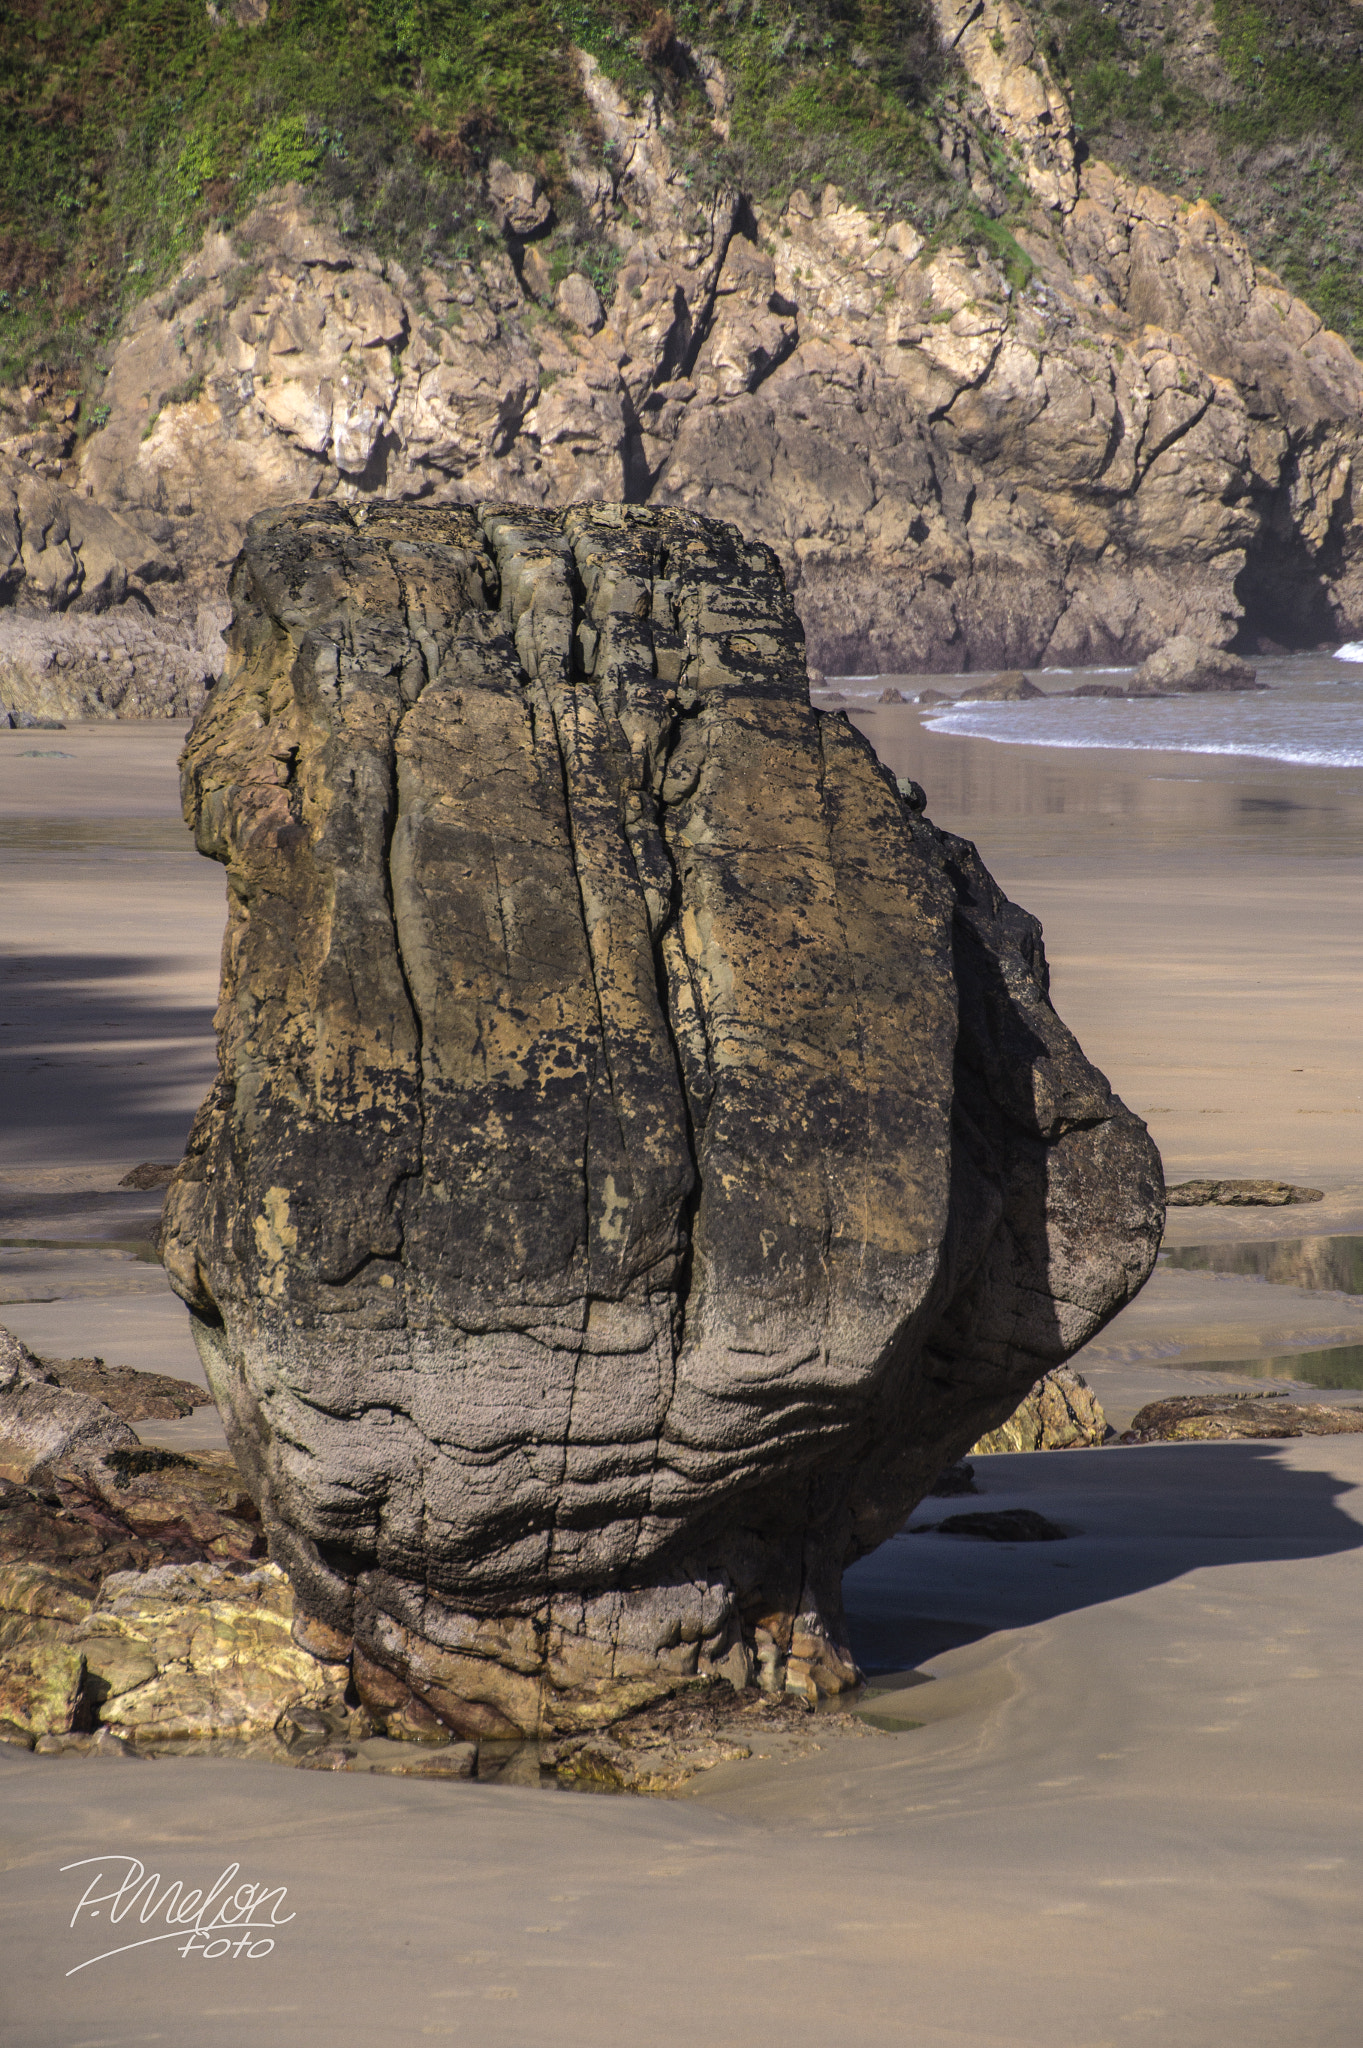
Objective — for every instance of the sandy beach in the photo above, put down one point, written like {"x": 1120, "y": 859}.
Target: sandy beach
{"x": 1130, "y": 1812}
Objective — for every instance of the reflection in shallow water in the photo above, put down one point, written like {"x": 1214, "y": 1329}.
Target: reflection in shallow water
{"x": 143, "y": 1248}
{"x": 96, "y": 837}
{"x": 1326, "y": 1263}
{"x": 1340, "y": 1366}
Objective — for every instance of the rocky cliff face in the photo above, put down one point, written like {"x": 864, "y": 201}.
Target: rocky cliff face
{"x": 1110, "y": 430}
{"x": 643, "y": 1153}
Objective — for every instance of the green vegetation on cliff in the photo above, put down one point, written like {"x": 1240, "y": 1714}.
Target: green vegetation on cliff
{"x": 1263, "y": 117}
{"x": 129, "y": 127}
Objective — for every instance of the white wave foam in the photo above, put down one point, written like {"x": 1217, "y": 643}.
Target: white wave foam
{"x": 963, "y": 725}
{"x": 1352, "y": 650}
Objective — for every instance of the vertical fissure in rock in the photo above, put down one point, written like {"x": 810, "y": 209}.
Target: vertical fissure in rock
{"x": 703, "y": 316}
{"x": 392, "y": 819}
{"x": 639, "y": 479}
{"x": 690, "y": 1207}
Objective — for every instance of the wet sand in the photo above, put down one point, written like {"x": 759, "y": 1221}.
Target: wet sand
{"x": 110, "y": 941}
{"x": 1132, "y": 1813}
{"x": 1204, "y": 924}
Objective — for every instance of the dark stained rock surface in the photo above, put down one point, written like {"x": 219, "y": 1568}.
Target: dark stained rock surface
{"x": 644, "y": 1152}
{"x": 138, "y": 1511}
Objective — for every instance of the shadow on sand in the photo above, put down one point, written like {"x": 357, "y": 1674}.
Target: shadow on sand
{"x": 1136, "y": 1517}
{"x": 92, "y": 1065}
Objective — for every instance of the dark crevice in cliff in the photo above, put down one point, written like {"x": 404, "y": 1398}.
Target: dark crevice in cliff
{"x": 701, "y": 319}
{"x": 536, "y": 705}
{"x": 639, "y": 479}
{"x": 1283, "y": 589}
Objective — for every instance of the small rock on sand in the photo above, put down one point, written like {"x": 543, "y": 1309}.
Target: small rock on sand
{"x": 1187, "y": 664}
{"x": 150, "y": 1175}
{"x": 1012, "y": 687}
{"x": 1003, "y": 1525}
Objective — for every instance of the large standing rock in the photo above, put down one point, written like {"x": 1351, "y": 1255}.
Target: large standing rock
{"x": 643, "y": 1153}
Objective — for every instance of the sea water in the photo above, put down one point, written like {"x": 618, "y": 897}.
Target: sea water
{"x": 1311, "y": 714}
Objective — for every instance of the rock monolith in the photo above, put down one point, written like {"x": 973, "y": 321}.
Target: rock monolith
{"x": 643, "y": 1152}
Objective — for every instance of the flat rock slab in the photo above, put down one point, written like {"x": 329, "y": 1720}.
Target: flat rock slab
{"x": 135, "y": 1395}
{"x": 1200, "y": 1418}
{"x": 1239, "y": 1194}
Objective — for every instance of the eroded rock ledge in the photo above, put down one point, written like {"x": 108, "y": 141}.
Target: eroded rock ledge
{"x": 644, "y": 1152}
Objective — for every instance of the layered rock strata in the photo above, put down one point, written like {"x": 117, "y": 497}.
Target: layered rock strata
{"x": 644, "y": 1152}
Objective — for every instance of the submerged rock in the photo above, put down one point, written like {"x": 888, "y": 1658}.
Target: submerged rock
{"x": 644, "y": 1153}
